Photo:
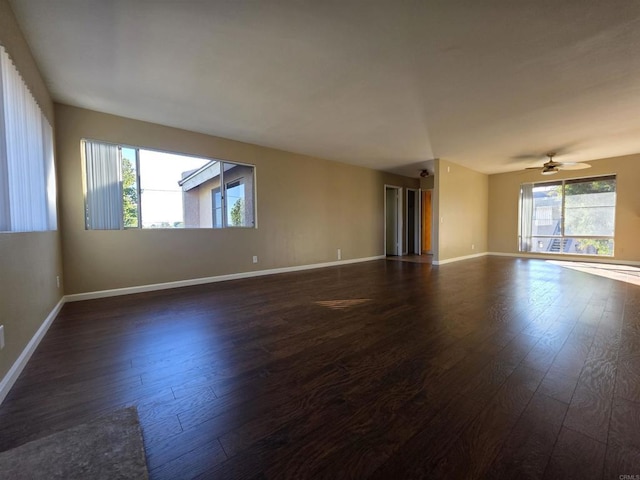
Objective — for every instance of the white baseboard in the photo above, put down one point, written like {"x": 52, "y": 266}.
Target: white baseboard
{"x": 567, "y": 258}
{"x": 458, "y": 259}
{"x": 199, "y": 281}
{"x": 14, "y": 372}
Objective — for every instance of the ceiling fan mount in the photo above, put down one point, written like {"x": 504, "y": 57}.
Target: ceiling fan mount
{"x": 551, "y": 167}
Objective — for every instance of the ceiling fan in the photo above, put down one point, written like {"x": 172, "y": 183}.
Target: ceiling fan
{"x": 552, "y": 167}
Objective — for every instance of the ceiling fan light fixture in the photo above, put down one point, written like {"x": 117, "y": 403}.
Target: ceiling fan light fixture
{"x": 551, "y": 167}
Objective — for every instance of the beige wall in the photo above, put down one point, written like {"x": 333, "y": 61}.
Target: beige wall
{"x": 427, "y": 183}
{"x": 29, "y": 262}
{"x": 460, "y": 208}
{"x": 306, "y": 209}
{"x": 13, "y": 40}
{"x": 504, "y": 196}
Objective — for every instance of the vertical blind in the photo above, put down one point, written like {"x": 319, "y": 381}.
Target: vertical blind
{"x": 104, "y": 186}
{"x": 27, "y": 171}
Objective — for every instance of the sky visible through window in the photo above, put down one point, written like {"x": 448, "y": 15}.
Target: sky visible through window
{"x": 161, "y": 196}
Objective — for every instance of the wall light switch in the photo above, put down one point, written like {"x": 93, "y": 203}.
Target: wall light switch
{"x": 255, "y": 259}
{"x": 1, "y": 337}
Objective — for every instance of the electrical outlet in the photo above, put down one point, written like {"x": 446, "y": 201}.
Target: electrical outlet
{"x": 255, "y": 259}
{"x": 339, "y": 254}
{"x": 473, "y": 247}
{"x": 58, "y": 281}
{"x": 1, "y": 337}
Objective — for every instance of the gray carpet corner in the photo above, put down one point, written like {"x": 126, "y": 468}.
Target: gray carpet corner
{"x": 111, "y": 447}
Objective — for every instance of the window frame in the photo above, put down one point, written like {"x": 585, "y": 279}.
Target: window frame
{"x": 227, "y": 186}
{"x": 562, "y": 236}
{"x": 138, "y": 187}
{"x": 215, "y": 193}
{"x": 137, "y": 149}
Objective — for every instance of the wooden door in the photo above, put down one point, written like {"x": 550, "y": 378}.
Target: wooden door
{"x": 426, "y": 221}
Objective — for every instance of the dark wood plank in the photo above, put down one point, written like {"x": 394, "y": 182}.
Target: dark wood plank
{"x": 473, "y": 453}
{"x": 526, "y": 451}
{"x": 570, "y": 359}
{"x": 576, "y": 456}
{"x": 590, "y": 407}
{"x": 621, "y": 461}
{"x": 488, "y": 368}
{"x": 413, "y": 460}
{"x": 558, "y": 386}
{"x": 625, "y": 424}
{"x": 201, "y": 459}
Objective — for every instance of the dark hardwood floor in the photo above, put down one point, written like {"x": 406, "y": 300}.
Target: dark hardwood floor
{"x": 487, "y": 368}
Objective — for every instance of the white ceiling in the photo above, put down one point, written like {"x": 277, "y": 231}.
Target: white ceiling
{"x": 387, "y": 84}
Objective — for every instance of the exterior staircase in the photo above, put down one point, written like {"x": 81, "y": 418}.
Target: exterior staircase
{"x": 558, "y": 245}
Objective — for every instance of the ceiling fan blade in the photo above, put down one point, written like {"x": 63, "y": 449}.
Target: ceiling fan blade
{"x": 534, "y": 168}
{"x": 572, "y": 166}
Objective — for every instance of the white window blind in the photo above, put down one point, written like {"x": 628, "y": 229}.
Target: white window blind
{"x": 104, "y": 186}
{"x": 27, "y": 172}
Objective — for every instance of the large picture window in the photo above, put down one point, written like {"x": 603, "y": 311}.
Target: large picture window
{"x": 570, "y": 216}
{"x": 130, "y": 187}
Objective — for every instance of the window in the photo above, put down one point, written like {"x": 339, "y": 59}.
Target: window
{"x": 571, "y": 216}
{"x": 236, "y": 203}
{"x": 216, "y": 196}
{"x": 27, "y": 171}
{"x": 130, "y": 187}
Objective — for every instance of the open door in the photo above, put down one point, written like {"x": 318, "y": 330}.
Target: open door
{"x": 393, "y": 220}
{"x": 426, "y": 208}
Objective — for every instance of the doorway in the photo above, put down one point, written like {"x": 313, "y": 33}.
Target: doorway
{"x": 427, "y": 226}
{"x": 413, "y": 222}
{"x": 393, "y": 220}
